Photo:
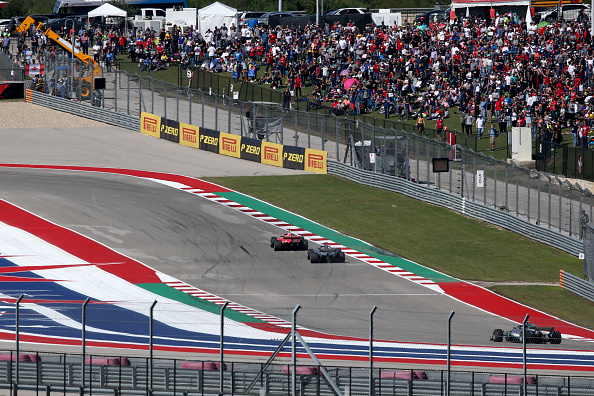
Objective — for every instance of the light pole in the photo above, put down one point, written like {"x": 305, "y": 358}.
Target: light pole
{"x": 72, "y": 57}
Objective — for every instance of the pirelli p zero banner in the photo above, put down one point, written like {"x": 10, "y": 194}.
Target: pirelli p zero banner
{"x": 251, "y": 149}
{"x": 188, "y": 135}
{"x": 272, "y": 154}
{"x": 233, "y": 145}
{"x": 229, "y": 144}
{"x": 293, "y": 157}
{"x": 209, "y": 140}
{"x": 170, "y": 130}
{"x": 150, "y": 124}
{"x": 315, "y": 161}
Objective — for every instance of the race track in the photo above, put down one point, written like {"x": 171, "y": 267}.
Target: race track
{"x": 215, "y": 248}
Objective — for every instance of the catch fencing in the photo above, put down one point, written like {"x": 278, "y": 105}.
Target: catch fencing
{"x": 404, "y": 367}
{"x": 540, "y": 199}
{"x": 575, "y": 162}
{"x": 61, "y": 374}
{"x": 9, "y": 70}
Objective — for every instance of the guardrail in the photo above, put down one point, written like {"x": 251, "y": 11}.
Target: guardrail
{"x": 457, "y": 203}
{"x": 62, "y": 374}
{"x": 576, "y": 285}
{"x": 84, "y": 110}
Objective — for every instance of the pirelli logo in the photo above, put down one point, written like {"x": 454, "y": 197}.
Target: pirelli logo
{"x": 189, "y": 135}
{"x": 315, "y": 161}
{"x": 150, "y": 124}
{"x": 271, "y": 154}
{"x": 229, "y": 144}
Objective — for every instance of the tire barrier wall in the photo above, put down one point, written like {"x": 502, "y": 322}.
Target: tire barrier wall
{"x": 576, "y": 285}
{"x": 250, "y": 149}
{"x": 458, "y": 204}
{"x": 84, "y": 110}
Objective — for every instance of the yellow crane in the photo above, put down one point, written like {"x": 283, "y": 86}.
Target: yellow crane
{"x": 85, "y": 82}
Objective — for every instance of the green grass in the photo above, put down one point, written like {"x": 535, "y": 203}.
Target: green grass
{"x": 558, "y": 302}
{"x": 429, "y": 235}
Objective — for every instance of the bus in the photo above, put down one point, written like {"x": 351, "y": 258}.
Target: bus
{"x": 84, "y": 6}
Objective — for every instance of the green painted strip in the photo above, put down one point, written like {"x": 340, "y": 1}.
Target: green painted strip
{"x": 166, "y": 291}
{"x": 335, "y": 236}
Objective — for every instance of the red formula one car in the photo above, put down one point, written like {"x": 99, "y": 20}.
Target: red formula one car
{"x": 288, "y": 241}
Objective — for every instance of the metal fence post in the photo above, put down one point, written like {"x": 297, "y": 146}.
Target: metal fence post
{"x": 371, "y": 391}
{"x": 128, "y": 92}
{"x": 229, "y": 120}
{"x": 17, "y": 341}
{"x": 222, "y": 343}
{"x": 294, "y": 351}
{"x": 524, "y": 349}
{"x": 165, "y": 99}
{"x": 151, "y": 345}
{"x": 202, "y": 108}
{"x": 84, "y": 343}
{"x": 216, "y": 99}
{"x": 449, "y": 351}
{"x": 177, "y": 101}
{"x": 115, "y": 91}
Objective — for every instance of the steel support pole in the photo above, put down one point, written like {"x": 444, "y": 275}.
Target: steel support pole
{"x": 449, "y": 351}
{"x": 17, "y": 329}
{"x": 84, "y": 344}
{"x": 371, "y": 384}
{"x": 294, "y": 351}
{"x": 524, "y": 349}
{"x": 222, "y": 344}
{"x": 151, "y": 310}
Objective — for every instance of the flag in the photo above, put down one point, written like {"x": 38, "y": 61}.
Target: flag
{"x": 34, "y": 69}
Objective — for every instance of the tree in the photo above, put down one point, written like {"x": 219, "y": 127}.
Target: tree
{"x": 27, "y": 7}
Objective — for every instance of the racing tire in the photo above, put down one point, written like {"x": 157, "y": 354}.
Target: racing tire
{"x": 272, "y": 241}
{"x": 313, "y": 257}
{"x": 278, "y": 245}
{"x": 303, "y": 243}
{"x": 498, "y": 335}
{"x": 555, "y": 337}
{"x": 340, "y": 257}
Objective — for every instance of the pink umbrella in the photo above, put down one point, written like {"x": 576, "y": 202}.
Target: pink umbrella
{"x": 344, "y": 72}
{"x": 348, "y": 83}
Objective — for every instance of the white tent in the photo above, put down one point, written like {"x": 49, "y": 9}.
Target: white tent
{"x": 215, "y": 15}
{"x": 456, "y": 4}
{"x": 107, "y": 10}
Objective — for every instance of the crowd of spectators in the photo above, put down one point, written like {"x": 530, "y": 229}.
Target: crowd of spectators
{"x": 496, "y": 73}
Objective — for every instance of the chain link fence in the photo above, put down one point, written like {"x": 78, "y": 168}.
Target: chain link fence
{"x": 539, "y": 197}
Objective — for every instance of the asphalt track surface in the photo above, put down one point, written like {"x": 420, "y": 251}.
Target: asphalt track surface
{"x": 213, "y": 247}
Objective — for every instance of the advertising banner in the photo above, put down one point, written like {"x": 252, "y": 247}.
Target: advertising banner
{"x": 294, "y": 157}
{"x": 315, "y": 161}
{"x": 169, "y": 130}
{"x": 250, "y": 149}
{"x": 209, "y": 140}
{"x": 189, "y": 135}
{"x": 150, "y": 124}
{"x": 229, "y": 144}
{"x": 272, "y": 154}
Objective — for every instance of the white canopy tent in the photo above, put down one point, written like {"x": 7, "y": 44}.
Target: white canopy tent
{"x": 489, "y": 4}
{"x": 215, "y": 15}
{"x": 478, "y": 7}
{"x": 107, "y": 10}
